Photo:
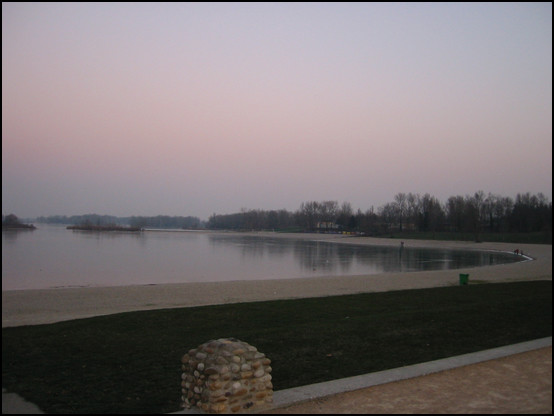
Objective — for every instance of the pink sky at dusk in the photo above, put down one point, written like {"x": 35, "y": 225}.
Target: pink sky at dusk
{"x": 200, "y": 108}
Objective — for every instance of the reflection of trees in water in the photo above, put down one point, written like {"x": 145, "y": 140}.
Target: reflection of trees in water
{"x": 323, "y": 257}
{"x": 313, "y": 256}
{"x": 310, "y": 255}
{"x": 394, "y": 259}
{"x": 385, "y": 259}
{"x": 421, "y": 259}
{"x": 330, "y": 258}
{"x": 378, "y": 259}
{"x": 251, "y": 246}
{"x": 10, "y": 236}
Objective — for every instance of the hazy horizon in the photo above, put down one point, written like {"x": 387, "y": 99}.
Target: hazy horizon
{"x": 355, "y": 209}
{"x": 190, "y": 109}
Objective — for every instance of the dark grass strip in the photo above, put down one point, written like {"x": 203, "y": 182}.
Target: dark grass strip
{"x": 130, "y": 362}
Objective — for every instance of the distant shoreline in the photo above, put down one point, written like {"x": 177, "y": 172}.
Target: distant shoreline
{"x": 103, "y": 228}
{"x": 19, "y": 227}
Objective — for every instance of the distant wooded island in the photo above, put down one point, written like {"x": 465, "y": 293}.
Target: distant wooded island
{"x": 12, "y": 222}
{"x": 107, "y": 227}
{"x": 159, "y": 221}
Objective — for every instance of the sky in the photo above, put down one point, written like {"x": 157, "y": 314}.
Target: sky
{"x": 201, "y": 108}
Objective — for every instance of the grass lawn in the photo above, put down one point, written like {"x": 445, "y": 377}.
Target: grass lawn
{"x": 130, "y": 362}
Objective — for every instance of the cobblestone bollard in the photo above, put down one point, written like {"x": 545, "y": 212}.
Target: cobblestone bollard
{"x": 226, "y": 376}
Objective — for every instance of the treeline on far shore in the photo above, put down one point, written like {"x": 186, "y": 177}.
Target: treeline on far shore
{"x": 95, "y": 220}
{"x": 477, "y": 217}
{"x": 472, "y": 217}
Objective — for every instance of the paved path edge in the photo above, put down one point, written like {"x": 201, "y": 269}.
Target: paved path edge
{"x": 296, "y": 395}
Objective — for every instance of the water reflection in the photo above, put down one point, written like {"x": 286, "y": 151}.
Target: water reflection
{"x": 10, "y": 235}
{"x": 52, "y": 256}
{"x": 332, "y": 258}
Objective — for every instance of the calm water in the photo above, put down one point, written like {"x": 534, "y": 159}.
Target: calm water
{"x": 53, "y": 257}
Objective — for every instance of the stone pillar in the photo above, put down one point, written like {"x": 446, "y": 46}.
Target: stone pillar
{"x": 226, "y": 376}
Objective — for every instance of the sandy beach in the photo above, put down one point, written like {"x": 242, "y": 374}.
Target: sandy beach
{"x": 30, "y": 307}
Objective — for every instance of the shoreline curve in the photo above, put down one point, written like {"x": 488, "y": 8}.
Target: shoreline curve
{"x": 42, "y": 306}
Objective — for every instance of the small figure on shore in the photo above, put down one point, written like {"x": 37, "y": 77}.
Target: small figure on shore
{"x": 402, "y": 244}
{"x": 516, "y": 251}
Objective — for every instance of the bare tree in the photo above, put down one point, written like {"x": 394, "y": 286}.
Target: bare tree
{"x": 401, "y": 202}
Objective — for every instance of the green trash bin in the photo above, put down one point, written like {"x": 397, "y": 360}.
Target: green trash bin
{"x": 464, "y": 279}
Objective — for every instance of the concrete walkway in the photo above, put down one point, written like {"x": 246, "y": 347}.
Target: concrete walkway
{"x": 511, "y": 379}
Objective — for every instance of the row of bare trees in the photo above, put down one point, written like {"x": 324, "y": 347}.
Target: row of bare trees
{"x": 470, "y": 213}
{"x": 475, "y": 213}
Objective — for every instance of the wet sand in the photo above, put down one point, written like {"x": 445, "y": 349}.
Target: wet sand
{"x": 30, "y": 307}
